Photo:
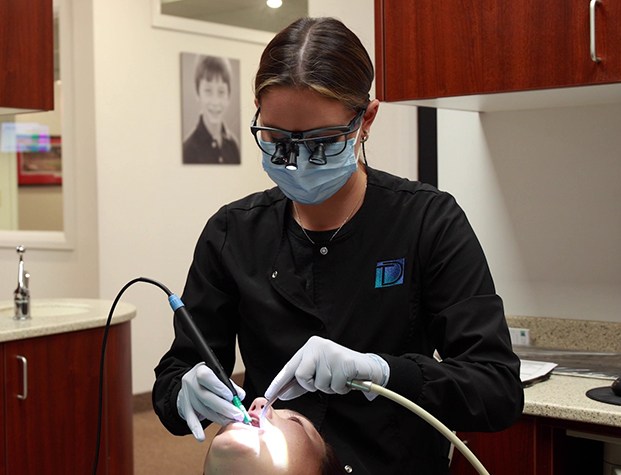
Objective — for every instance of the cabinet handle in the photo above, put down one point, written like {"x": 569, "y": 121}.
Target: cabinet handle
{"x": 592, "y": 6}
{"x": 24, "y": 361}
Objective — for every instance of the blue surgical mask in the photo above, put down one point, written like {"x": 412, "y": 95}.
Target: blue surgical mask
{"x": 312, "y": 184}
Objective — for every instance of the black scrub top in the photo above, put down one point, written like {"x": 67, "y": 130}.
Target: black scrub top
{"x": 404, "y": 277}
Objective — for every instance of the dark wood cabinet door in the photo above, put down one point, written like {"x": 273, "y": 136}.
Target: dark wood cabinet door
{"x": 440, "y": 48}
{"x": 53, "y": 429}
{"x": 538, "y": 446}
{"x": 119, "y": 412}
{"x": 510, "y": 452}
{"x": 26, "y": 55}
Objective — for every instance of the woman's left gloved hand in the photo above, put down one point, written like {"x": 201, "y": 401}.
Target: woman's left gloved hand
{"x": 327, "y": 366}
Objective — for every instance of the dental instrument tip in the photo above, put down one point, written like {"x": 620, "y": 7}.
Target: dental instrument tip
{"x": 238, "y": 404}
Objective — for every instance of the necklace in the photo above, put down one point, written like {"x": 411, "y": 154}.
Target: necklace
{"x": 324, "y": 250}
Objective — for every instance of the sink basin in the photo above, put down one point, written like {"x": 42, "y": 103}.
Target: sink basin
{"x": 49, "y": 309}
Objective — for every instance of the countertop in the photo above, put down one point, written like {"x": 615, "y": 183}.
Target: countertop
{"x": 82, "y": 314}
{"x": 588, "y": 354}
{"x": 564, "y": 397}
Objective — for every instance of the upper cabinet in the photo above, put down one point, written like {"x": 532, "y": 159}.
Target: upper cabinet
{"x": 26, "y": 56}
{"x": 429, "y": 51}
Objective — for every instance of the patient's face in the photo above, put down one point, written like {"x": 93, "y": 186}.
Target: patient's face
{"x": 285, "y": 443}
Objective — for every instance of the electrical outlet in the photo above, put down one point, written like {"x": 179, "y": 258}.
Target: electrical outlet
{"x": 520, "y": 336}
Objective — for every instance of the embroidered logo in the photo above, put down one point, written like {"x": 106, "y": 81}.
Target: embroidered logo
{"x": 389, "y": 273}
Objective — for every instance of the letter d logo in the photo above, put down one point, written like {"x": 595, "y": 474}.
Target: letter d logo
{"x": 389, "y": 273}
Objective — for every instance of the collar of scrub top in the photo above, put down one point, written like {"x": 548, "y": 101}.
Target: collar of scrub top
{"x": 315, "y": 140}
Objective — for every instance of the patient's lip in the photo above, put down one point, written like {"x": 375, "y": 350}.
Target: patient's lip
{"x": 254, "y": 417}
{"x": 255, "y": 412}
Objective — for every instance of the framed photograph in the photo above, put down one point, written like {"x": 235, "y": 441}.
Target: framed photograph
{"x": 42, "y": 167}
{"x": 210, "y": 109}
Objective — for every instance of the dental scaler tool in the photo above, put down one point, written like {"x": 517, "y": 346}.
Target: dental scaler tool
{"x": 269, "y": 403}
{"x": 206, "y": 353}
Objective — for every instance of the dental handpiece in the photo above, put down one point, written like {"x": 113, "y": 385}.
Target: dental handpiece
{"x": 206, "y": 353}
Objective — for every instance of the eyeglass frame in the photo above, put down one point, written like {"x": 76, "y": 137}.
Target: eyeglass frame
{"x": 298, "y": 137}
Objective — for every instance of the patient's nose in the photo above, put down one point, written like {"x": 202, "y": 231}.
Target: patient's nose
{"x": 258, "y": 404}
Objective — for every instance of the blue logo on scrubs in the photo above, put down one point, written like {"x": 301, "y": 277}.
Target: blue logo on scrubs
{"x": 389, "y": 273}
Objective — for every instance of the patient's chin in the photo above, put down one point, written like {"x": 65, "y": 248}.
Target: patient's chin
{"x": 237, "y": 438}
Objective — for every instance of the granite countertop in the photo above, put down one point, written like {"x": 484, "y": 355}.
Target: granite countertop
{"x": 52, "y": 316}
{"x": 564, "y": 397}
{"x": 588, "y": 354}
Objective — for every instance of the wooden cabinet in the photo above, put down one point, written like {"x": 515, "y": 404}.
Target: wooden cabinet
{"x": 26, "y": 55}
{"x": 50, "y": 404}
{"x": 538, "y": 446}
{"x": 429, "y": 48}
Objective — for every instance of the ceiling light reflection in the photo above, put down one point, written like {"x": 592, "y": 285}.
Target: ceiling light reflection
{"x": 274, "y": 3}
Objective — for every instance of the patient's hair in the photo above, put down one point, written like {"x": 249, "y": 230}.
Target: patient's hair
{"x": 331, "y": 465}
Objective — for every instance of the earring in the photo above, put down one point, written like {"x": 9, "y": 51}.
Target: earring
{"x": 365, "y": 136}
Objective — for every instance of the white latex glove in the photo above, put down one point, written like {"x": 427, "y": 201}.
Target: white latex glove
{"x": 327, "y": 366}
{"x": 204, "y": 396}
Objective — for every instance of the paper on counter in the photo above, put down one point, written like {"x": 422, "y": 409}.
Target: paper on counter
{"x": 532, "y": 372}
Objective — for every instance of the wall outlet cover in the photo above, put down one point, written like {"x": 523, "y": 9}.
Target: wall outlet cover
{"x": 520, "y": 336}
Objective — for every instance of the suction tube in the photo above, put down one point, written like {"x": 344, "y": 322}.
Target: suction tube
{"x": 368, "y": 386}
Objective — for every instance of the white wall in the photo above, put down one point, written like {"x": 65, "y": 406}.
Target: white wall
{"x": 541, "y": 189}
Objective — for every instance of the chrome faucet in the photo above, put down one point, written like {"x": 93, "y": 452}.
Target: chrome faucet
{"x": 22, "y": 292}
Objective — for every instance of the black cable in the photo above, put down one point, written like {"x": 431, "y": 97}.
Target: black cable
{"x": 103, "y": 357}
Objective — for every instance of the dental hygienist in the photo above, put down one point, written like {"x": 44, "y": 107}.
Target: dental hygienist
{"x": 341, "y": 271}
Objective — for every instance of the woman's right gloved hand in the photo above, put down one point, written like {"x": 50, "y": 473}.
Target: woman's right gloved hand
{"x": 204, "y": 396}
